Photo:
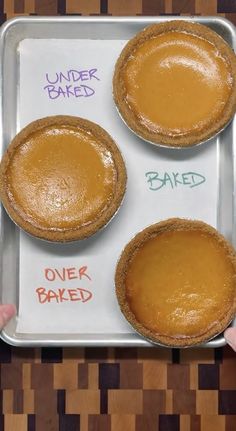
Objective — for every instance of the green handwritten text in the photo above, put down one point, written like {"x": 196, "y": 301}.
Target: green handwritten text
{"x": 157, "y": 181}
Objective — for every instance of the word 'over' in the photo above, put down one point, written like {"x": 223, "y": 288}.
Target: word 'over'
{"x": 71, "y": 83}
{"x": 157, "y": 181}
{"x": 64, "y": 274}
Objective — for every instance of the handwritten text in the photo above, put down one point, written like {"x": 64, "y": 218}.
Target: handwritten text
{"x": 157, "y": 181}
{"x": 71, "y": 83}
{"x": 61, "y": 295}
{"x": 64, "y": 274}
{"x": 57, "y": 294}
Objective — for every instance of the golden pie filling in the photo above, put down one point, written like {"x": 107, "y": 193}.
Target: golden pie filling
{"x": 61, "y": 177}
{"x": 179, "y": 284}
{"x": 177, "y": 82}
{"x": 173, "y": 83}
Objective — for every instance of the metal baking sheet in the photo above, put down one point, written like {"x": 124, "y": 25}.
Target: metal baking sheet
{"x": 92, "y": 28}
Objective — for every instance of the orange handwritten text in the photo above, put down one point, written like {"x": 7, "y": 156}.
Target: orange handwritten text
{"x": 65, "y": 274}
{"x": 61, "y": 295}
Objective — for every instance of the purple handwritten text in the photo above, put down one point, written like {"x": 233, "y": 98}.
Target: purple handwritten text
{"x": 68, "y": 84}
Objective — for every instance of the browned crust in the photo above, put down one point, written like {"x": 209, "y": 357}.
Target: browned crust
{"x": 82, "y": 231}
{"x": 119, "y": 90}
{"x": 123, "y": 265}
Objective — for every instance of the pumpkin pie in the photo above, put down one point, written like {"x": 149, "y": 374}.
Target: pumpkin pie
{"x": 176, "y": 282}
{"x": 62, "y": 178}
{"x": 174, "y": 83}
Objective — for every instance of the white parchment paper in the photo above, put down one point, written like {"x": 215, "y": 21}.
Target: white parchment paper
{"x": 161, "y": 184}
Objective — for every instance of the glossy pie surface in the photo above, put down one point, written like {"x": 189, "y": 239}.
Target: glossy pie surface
{"x": 174, "y": 82}
{"x": 62, "y": 175}
{"x": 179, "y": 282}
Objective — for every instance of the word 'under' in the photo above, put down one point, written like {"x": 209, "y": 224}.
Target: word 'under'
{"x": 71, "y": 83}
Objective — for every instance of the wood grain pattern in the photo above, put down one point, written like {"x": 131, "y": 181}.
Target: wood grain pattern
{"x": 124, "y": 7}
{"x": 146, "y": 389}
{"x": 65, "y": 376}
{"x": 83, "y": 7}
{"x": 185, "y": 423}
{"x": 121, "y": 422}
{"x": 206, "y": 402}
{"x": 7, "y": 402}
{"x": 16, "y": 422}
{"x": 28, "y": 403}
{"x": 216, "y": 423}
{"x": 127, "y": 401}
{"x": 154, "y": 375}
{"x": 83, "y": 401}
